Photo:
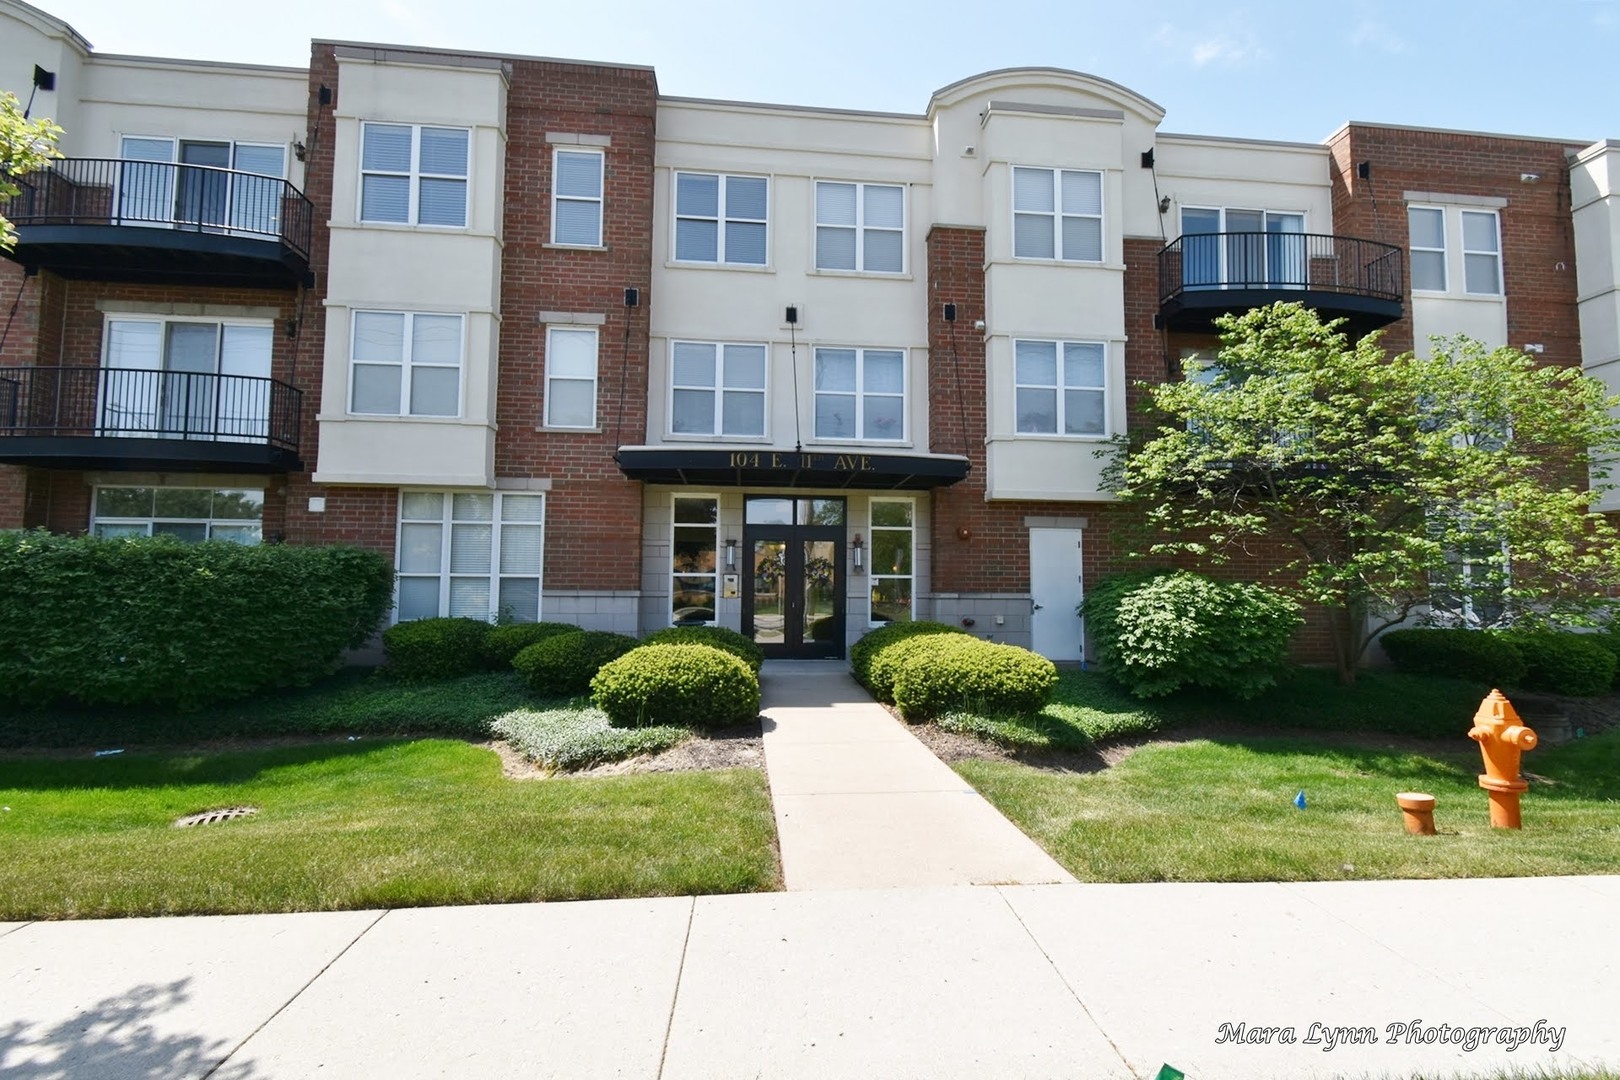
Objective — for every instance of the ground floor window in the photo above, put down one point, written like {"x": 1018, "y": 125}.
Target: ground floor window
{"x": 188, "y": 513}
{"x": 892, "y": 549}
{"x": 694, "y": 541}
{"x": 470, "y": 554}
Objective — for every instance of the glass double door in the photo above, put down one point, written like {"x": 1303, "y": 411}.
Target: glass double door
{"x": 793, "y": 587}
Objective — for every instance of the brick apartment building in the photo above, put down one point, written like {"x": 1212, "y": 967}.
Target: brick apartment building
{"x": 564, "y": 347}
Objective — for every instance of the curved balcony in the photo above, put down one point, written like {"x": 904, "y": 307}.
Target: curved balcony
{"x": 1204, "y": 275}
{"x": 111, "y": 219}
{"x": 138, "y": 420}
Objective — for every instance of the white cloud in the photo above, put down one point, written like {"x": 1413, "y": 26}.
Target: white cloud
{"x": 1372, "y": 34}
{"x": 1225, "y": 49}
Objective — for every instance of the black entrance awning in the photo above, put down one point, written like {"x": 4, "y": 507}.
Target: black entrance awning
{"x": 791, "y": 468}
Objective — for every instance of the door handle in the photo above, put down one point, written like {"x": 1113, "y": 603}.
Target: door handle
{"x": 1033, "y": 606}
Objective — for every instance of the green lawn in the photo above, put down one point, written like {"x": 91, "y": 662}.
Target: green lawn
{"x": 1221, "y": 810}
{"x": 370, "y": 823}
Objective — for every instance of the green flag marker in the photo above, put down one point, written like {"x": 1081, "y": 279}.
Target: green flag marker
{"x": 1167, "y": 1072}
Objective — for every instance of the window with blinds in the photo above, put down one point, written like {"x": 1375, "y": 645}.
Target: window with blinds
{"x": 861, "y": 227}
{"x": 717, "y": 389}
{"x": 1061, "y": 387}
{"x": 576, "y": 197}
{"x": 405, "y": 364}
{"x": 1057, "y": 214}
{"x": 721, "y": 219}
{"x": 472, "y": 554}
{"x": 411, "y": 174}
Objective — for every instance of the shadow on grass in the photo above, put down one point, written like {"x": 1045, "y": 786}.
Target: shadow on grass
{"x": 117, "y": 1039}
{"x": 157, "y": 769}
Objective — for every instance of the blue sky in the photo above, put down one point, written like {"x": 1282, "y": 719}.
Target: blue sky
{"x": 1262, "y": 70}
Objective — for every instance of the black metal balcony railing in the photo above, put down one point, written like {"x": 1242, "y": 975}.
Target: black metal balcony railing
{"x": 1274, "y": 261}
{"x": 156, "y": 194}
{"x": 88, "y": 402}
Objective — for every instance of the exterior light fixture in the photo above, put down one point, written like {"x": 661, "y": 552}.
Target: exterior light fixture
{"x": 858, "y": 553}
{"x": 731, "y": 556}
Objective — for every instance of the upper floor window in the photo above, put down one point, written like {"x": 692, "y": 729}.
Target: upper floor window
{"x": 1061, "y": 387}
{"x": 861, "y": 394}
{"x": 197, "y": 378}
{"x": 861, "y": 227}
{"x": 576, "y": 197}
{"x": 414, "y": 175}
{"x": 1228, "y": 247}
{"x": 213, "y": 184}
{"x": 1439, "y": 262}
{"x": 406, "y": 364}
{"x": 717, "y": 389}
{"x": 720, "y": 219}
{"x": 1426, "y": 235}
{"x": 1482, "y": 253}
{"x": 570, "y": 378}
{"x": 1057, "y": 214}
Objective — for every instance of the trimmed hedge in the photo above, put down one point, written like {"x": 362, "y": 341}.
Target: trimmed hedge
{"x": 504, "y": 642}
{"x": 1563, "y": 663}
{"x": 1610, "y": 640}
{"x": 687, "y": 684}
{"x": 1457, "y": 653}
{"x": 1184, "y": 629}
{"x": 442, "y": 648}
{"x": 563, "y": 665}
{"x": 950, "y": 673}
{"x": 862, "y": 653}
{"x": 715, "y": 636}
{"x": 156, "y": 621}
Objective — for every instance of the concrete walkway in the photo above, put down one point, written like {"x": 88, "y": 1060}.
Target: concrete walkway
{"x": 1082, "y": 981}
{"x": 861, "y": 804}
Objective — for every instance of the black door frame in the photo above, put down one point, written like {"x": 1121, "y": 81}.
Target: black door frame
{"x": 794, "y": 537}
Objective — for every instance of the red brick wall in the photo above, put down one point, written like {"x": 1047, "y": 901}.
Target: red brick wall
{"x": 593, "y": 514}
{"x": 1538, "y": 246}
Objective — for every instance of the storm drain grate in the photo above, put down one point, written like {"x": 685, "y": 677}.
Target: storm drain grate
{"x": 209, "y": 817}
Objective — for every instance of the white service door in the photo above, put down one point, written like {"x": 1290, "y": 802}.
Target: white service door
{"x": 1055, "y": 587}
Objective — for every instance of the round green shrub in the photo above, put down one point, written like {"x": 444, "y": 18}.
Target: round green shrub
{"x": 949, "y": 673}
{"x": 504, "y": 642}
{"x": 1455, "y": 652}
{"x": 886, "y": 662}
{"x": 715, "y": 636}
{"x": 1609, "y": 638}
{"x": 688, "y": 684}
{"x": 863, "y": 651}
{"x": 563, "y": 665}
{"x": 1100, "y": 609}
{"x": 1184, "y": 629}
{"x": 1564, "y": 663}
{"x": 425, "y": 649}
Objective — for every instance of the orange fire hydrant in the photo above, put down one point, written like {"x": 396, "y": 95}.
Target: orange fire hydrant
{"x": 1501, "y": 739}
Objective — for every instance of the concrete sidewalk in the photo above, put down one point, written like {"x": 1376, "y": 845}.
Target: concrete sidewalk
{"x": 1081, "y": 981}
{"x": 860, "y": 803}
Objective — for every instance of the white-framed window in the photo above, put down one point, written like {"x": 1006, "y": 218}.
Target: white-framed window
{"x": 860, "y": 394}
{"x": 576, "y": 197}
{"x": 405, "y": 363}
{"x": 694, "y": 547}
{"x": 186, "y": 378}
{"x": 1482, "y": 252}
{"x": 1426, "y": 237}
{"x": 721, "y": 219}
{"x": 1057, "y": 214}
{"x": 860, "y": 227}
{"x": 893, "y": 551}
{"x": 470, "y": 554}
{"x": 570, "y": 377}
{"x": 1061, "y": 387}
{"x": 192, "y": 514}
{"x": 1232, "y": 247}
{"x": 245, "y": 196}
{"x": 717, "y": 388}
{"x": 413, "y": 174}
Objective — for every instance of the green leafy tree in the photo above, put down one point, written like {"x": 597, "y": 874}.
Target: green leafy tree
{"x": 1400, "y": 485}
{"x": 25, "y": 145}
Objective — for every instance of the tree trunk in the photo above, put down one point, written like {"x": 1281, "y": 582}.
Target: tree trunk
{"x": 1346, "y": 641}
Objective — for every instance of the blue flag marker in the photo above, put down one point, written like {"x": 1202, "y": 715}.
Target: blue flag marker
{"x": 1299, "y": 800}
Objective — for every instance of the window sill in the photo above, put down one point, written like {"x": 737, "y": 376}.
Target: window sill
{"x": 744, "y": 440}
{"x": 1436, "y": 294}
{"x": 569, "y": 430}
{"x": 1034, "y": 436}
{"x": 881, "y": 275}
{"x": 406, "y": 226}
{"x": 574, "y": 247}
{"x": 400, "y": 418}
{"x": 1076, "y": 264}
{"x": 742, "y": 268}
{"x": 894, "y": 444}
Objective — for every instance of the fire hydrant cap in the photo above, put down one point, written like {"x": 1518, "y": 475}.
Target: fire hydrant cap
{"x": 1496, "y": 711}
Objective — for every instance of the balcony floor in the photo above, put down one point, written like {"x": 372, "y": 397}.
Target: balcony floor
{"x": 127, "y": 454}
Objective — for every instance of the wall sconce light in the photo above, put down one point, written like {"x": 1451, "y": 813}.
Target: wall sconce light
{"x": 964, "y": 533}
{"x": 731, "y": 556}
{"x": 858, "y": 552}
{"x": 300, "y": 151}
{"x": 1164, "y": 205}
